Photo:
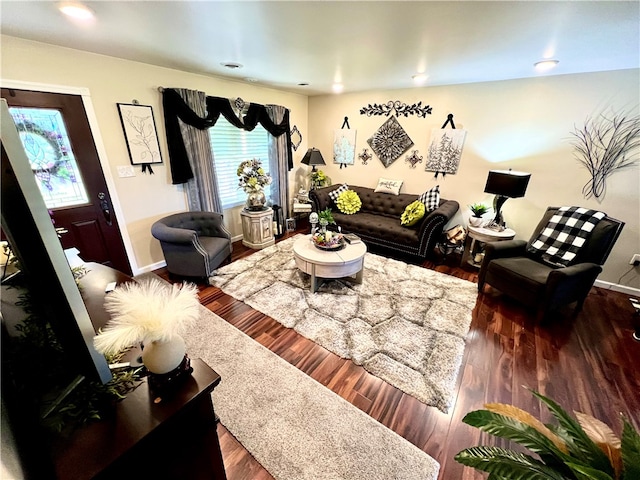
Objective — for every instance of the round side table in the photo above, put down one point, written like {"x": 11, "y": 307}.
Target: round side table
{"x": 476, "y": 237}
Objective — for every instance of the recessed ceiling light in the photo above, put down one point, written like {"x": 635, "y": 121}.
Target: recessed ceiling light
{"x": 545, "y": 65}
{"x": 76, "y": 10}
{"x": 420, "y": 78}
{"x": 231, "y": 65}
{"x": 337, "y": 87}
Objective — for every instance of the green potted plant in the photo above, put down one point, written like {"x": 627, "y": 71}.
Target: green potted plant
{"x": 325, "y": 217}
{"x": 581, "y": 448}
{"x": 478, "y": 210}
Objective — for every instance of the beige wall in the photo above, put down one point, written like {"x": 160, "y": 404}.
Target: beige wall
{"x": 143, "y": 198}
{"x": 519, "y": 124}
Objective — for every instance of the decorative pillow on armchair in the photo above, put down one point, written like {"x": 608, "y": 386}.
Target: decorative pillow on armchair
{"x": 412, "y": 214}
{"x": 386, "y": 185}
{"x": 349, "y": 202}
{"x": 431, "y": 198}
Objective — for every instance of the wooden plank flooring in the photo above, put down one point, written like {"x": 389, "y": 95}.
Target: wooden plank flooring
{"x": 587, "y": 363}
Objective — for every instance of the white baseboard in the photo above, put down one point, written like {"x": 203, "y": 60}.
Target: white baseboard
{"x": 150, "y": 268}
{"x": 617, "y": 288}
{"x": 236, "y": 238}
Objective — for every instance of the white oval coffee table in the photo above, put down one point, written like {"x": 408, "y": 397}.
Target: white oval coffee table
{"x": 347, "y": 263}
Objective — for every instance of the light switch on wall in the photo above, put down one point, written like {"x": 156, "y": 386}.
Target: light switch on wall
{"x": 126, "y": 171}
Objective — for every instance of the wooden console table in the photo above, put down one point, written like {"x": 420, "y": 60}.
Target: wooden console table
{"x": 173, "y": 439}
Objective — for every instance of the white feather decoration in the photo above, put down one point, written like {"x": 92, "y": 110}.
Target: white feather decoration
{"x": 146, "y": 311}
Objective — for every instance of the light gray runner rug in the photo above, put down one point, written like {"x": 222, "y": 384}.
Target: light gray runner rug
{"x": 294, "y": 426}
{"x": 404, "y": 324}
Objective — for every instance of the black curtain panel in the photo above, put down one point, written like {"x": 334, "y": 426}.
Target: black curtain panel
{"x": 175, "y": 108}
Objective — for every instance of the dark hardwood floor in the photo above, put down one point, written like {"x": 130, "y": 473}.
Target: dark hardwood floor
{"x": 586, "y": 363}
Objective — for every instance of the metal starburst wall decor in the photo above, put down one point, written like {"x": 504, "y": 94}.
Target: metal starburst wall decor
{"x": 390, "y": 141}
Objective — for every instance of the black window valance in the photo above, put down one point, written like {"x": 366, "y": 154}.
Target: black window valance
{"x": 175, "y": 108}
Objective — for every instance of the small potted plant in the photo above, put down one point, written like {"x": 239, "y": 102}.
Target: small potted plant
{"x": 325, "y": 218}
{"x": 477, "y": 210}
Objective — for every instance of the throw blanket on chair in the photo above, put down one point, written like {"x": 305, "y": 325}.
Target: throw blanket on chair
{"x": 564, "y": 235}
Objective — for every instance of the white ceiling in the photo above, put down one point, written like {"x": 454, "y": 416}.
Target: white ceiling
{"x": 364, "y": 45}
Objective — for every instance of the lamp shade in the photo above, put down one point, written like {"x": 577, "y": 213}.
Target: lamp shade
{"x": 507, "y": 183}
{"x": 313, "y": 157}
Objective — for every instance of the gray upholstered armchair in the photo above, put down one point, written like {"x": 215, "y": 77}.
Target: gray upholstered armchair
{"x": 511, "y": 268}
{"x": 194, "y": 243}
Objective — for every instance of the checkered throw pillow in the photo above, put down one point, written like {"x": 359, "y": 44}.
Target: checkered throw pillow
{"x": 431, "y": 198}
{"x": 334, "y": 194}
{"x": 565, "y": 234}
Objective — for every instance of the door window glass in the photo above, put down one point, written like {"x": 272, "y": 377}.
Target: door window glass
{"x": 46, "y": 143}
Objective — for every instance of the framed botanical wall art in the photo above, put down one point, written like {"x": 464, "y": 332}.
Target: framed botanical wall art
{"x": 344, "y": 146}
{"x": 140, "y": 133}
{"x": 445, "y": 150}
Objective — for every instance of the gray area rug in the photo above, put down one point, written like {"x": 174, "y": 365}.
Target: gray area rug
{"x": 404, "y": 324}
{"x": 294, "y": 426}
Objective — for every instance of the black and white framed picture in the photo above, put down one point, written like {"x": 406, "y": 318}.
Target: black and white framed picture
{"x": 445, "y": 150}
{"x": 344, "y": 146}
{"x": 140, "y": 133}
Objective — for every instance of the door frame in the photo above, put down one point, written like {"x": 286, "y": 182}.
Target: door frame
{"x": 85, "y": 94}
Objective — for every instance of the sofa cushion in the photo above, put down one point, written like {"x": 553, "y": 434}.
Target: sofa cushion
{"x": 380, "y": 227}
{"x": 383, "y": 203}
{"x": 334, "y": 194}
{"x": 431, "y": 198}
{"x": 386, "y": 185}
{"x": 348, "y": 202}
{"x": 412, "y": 214}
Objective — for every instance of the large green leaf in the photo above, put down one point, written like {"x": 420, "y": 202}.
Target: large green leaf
{"x": 506, "y": 464}
{"x": 512, "y": 429}
{"x": 579, "y": 444}
{"x": 630, "y": 451}
{"x": 587, "y": 473}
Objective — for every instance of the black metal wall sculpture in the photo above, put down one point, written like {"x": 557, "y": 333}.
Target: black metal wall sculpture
{"x": 604, "y": 145}
{"x": 398, "y": 107}
{"x": 365, "y": 156}
{"x": 414, "y": 158}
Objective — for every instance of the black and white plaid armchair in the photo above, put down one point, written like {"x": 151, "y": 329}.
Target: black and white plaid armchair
{"x": 518, "y": 269}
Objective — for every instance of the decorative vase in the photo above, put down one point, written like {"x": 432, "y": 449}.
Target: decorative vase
{"x": 163, "y": 357}
{"x": 256, "y": 201}
{"x": 323, "y": 225}
{"x": 476, "y": 221}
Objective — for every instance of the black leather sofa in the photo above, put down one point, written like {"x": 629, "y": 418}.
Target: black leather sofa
{"x": 378, "y": 221}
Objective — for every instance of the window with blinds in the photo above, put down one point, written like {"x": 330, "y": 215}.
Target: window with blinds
{"x": 231, "y": 146}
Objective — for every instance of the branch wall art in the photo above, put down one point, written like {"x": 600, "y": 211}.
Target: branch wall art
{"x": 604, "y": 145}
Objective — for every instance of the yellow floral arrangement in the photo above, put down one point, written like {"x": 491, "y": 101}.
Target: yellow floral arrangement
{"x": 349, "y": 202}
{"x": 319, "y": 179}
{"x": 252, "y": 177}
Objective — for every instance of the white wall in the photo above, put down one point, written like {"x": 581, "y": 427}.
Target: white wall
{"x": 520, "y": 124}
{"x": 144, "y": 198}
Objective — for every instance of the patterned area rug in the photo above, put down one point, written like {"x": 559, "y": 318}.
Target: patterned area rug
{"x": 297, "y": 428}
{"x": 404, "y": 324}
